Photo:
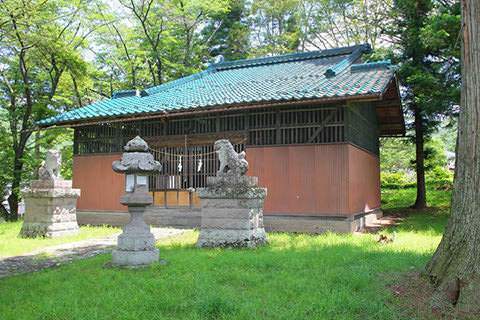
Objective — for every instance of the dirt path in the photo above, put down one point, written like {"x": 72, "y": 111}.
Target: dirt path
{"x": 55, "y": 256}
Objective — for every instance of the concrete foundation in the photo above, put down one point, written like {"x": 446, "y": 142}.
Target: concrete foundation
{"x": 50, "y": 209}
{"x": 189, "y": 218}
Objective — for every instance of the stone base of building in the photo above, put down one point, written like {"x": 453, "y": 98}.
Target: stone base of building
{"x": 50, "y": 209}
{"x": 340, "y": 224}
{"x": 189, "y": 218}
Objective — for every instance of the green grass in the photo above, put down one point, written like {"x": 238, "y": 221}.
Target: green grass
{"x": 294, "y": 277}
{"x": 11, "y": 244}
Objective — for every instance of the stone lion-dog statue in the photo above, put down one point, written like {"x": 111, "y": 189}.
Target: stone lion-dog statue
{"x": 50, "y": 168}
{"x": 231, "y": 162}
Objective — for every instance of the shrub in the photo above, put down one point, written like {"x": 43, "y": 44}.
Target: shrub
{"x": 437, "y": 177}
{"x": 393, "y": 180}
{"x": 396, "y": 180}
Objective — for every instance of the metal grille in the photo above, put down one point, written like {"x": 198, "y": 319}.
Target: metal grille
{"x": 296, "y": 126}
{"x": 363, "y": 128}
{"x": 185, "y": 168}
{"x": 273, "y": 126}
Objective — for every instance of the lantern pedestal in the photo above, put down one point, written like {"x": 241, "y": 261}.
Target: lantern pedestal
{"x": 136, "y": 245}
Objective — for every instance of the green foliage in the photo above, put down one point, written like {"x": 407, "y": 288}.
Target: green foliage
{"x": 42, "y": 70}
{"x": 435, "y": 155}
{"x": 276, "y": 27}
{"x": 425, "y": 34}
{"x": 395, "y": 180}
{"x": 296, "y": 276}
{"x": 447, "y": 133}
{"x": 397, "y": 161}
{"x": 396, "y": 154}
{"x": 435, "y": 177}
{"x": 439, "y": 177}
{"x": 327, "y": 24}
{"x": 229, "y": 33}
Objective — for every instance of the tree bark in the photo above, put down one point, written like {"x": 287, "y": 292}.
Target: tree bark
{"x": 159, "y": 71}
{"x": 37, "y": 152}
{"x": 421, "y": 201}
{"x": 455, "y": 266}
{"x": 14, "y": 197}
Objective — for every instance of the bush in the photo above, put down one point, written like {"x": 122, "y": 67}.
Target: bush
{"x": 435, "y": 177}
{"x": 394, "y": 180}
{"x": 438, "y": 177}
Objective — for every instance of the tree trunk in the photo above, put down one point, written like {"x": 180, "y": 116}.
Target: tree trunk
{"x": 152, "y": 72}
{"x": 421, "y": 201}
{"x": 14, "y": 197}
{"x": 159, "y": 71}
{"x": 455, "y": 266}
{"x": 37, "y": 152}
{"x": 134, "y": 77}
{"x": 111, "y": 85}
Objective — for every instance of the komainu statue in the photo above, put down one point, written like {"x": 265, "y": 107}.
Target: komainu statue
{"x": 50, "y": 202}
{"x": 231, "y": 162}
{"x": 50, "y": 168}
{"x": 233, "y": 168}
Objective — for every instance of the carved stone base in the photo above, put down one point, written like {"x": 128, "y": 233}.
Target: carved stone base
{"x": 50, "y": 209}
{"x": 217, "y": 238}
{"x": 136, "y": 245}
{"x": 232, "y": 217}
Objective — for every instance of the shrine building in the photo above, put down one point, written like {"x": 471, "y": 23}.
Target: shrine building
{"x": 309, "y": 123}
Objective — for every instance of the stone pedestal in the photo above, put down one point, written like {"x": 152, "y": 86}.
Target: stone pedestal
{"x": 50, "y": 209}
{"x": 232, "y": 213}
{"x": 136, "y": 245}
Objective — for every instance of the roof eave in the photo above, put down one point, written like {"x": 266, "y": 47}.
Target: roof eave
{"x": 199, "y": 110}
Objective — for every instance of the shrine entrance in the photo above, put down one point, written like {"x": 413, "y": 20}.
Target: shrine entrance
{"x": 185, "y": 168}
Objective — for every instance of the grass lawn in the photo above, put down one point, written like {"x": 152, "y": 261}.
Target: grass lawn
{"x": 11, "y": 244}
{"x": 294, "y": 277}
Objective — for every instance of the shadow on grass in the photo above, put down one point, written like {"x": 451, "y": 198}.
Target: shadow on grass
{"x": 432, "y": 219}
{"x": 396, "y": 203}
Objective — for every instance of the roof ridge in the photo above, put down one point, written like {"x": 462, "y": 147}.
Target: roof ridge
{"x": 345, "y": 63}
{"x": 386, "y": 64}
{"x": 168, "y": 85}
{"x": 125, "y": 93}
{"x": 299, "y": 56}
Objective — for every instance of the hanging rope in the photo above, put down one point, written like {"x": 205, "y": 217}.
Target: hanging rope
{"x": 181, "y": 154}
{"x": 169, "y": 154}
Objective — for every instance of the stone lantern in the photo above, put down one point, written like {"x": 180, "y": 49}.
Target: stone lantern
{"x": 136, "y": 245}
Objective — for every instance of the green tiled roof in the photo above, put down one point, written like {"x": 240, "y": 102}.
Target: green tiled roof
{"x": 311, "y": 75}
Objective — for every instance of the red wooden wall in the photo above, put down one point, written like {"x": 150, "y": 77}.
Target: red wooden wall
{"x": 311, "y": 180}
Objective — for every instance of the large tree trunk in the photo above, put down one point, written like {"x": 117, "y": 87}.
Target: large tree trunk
{"x": 455, "y": 266}
{"x": 421, "y": 201}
